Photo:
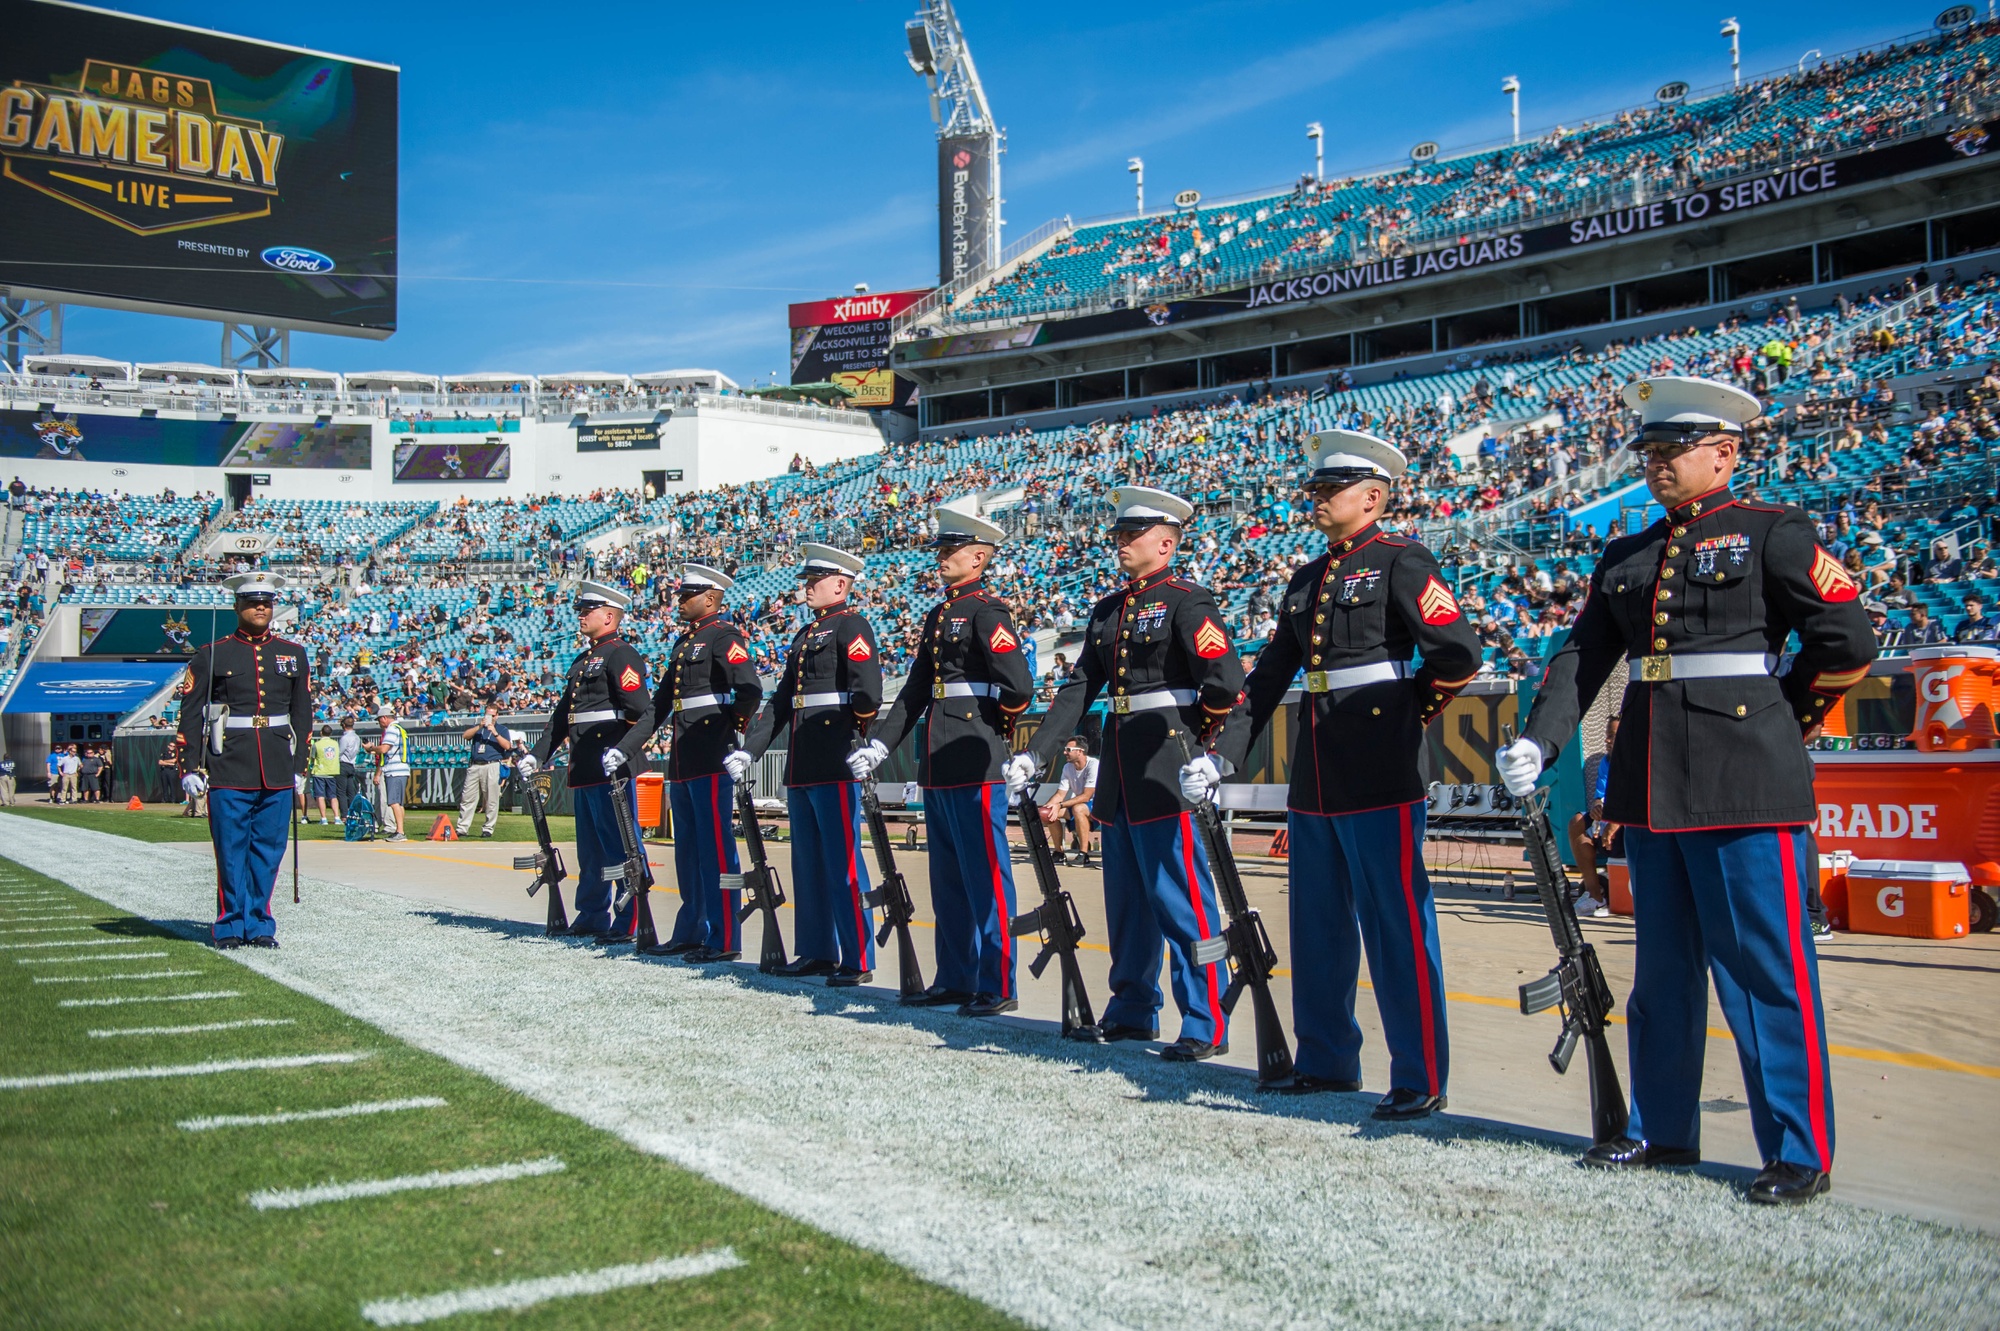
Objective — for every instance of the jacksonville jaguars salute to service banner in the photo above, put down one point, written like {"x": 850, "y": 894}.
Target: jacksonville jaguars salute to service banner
{"x": 1731, "y": 198}
{"x": 171, "y": 169}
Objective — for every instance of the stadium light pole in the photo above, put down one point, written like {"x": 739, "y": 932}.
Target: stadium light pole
{"x": 1137, "y": 166}
{"x": 1510, "y": 88}
{"x": 1807, "y": 56}
{"x": 1733, "y": 30}
{"x": 1318, "y": 137}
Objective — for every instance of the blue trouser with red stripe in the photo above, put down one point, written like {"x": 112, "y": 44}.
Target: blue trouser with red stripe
{"x": 1358, "y": 883}
{"x": 1158, "y": 890}
{"x": 704, "y": 850}
{"x": 828, "y": 877}
{"x": 1731, "y": 901}
{"x": 598, "y": 847}
{"x": 248, "y": 828}
{"x": 972, "y": 887}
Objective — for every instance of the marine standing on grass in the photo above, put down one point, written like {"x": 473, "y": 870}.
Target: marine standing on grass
{"x": 830, "y": 691}
{"x": 1157, "y": 649}
{"x": 708, "y": 696}
{"x": 1712, "y": 781}
{"x": 1351, "y": 620}
{"x": 246, "y": 713}
{"x": 605, "y": 713}
{"x": 970, "y": 678}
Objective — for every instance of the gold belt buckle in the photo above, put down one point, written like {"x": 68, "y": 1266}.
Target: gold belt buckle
{"x": 1656, "y": 669}
{"x": 799, "y": 702}
{"x": 1317, "y": 682}
{"x": 1121, "y": 705}
{"x": 260, "y": 721}
{"x": 937, "y": 688}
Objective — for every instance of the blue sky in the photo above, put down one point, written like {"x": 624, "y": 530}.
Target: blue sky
{"x": 633, "y": 187}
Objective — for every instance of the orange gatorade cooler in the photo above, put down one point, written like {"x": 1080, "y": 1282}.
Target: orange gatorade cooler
{"x": 1833, "y": 886}
{"x": 1909, "y": 898}
{"x": 652, "y": 798}
{"x": 1619, "y": 875}
{"x": 1904, "y": 805}
{"x": 1954, "y": 697}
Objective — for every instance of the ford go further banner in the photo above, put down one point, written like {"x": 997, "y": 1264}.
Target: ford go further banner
{"x": 146, "y": 165}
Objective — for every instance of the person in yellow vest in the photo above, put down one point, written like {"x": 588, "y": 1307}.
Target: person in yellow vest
{"x": 323, "y": 771}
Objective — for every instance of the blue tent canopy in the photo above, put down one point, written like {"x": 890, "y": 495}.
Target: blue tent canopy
{"x": 90, "y": 686}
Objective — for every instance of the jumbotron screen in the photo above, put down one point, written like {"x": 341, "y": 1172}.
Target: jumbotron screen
{"x": 146, "y": 165}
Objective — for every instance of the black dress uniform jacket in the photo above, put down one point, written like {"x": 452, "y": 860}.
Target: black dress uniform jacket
{"x": 266, "y": 676}
{"x": 1158, "y": 632}
{"x": 969, "y": 638}
{"x": 607, "y": 676}
{"x": 1371, "y": 598}
{"x": 1717, "y": 574}
{"x": 710, "y": 662}
{"x": 834, "y": 654}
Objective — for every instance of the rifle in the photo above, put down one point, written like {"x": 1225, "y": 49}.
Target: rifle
{"x": 892, "y": 898}
{"x": 546, "y": 862}
{"x": 1056, "y": 920}
{"x": 632, "y": 875}
{"x": 1244, "y": 941}
{"x": 761, "y": 887}
{"x": 1576, "y": 987}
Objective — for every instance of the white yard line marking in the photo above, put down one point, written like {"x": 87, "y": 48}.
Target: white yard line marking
{"x": 50, "y": 929}
{"x": 309, "y": 1115}
{"x": 42, "y": 919}
{"x": 80, "y": 961}
{"x": 291, "y": 1199}
{"x": 110, "y": 1031}
{"x": 176, "y": 1070}
{"x": 152, "y": 998}
{"x": 84, "y": 942}
{"x": 101, "y": 979}
{"x": 518, "y": 1294}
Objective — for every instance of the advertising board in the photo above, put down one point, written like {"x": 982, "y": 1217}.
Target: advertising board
{"x": 486, "y": 461}
{"x": 153, "y": 166}
{"x": 617, "y": 436}
{"x": 89, "y": 437}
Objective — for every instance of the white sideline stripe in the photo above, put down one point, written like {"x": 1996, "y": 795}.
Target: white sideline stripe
{"x": 176, "y": 1070}
{"x": 102, "y": 979}
{"x": 517, "y": 1294}
{"x": 84, "y": 942}
{"x": 291, "y": 1199}
{"x": 78, "y": 961}
{"x": 42, "y": 919}
{"x": 51, "y": 929}
{"x": 151, "y": 998}
{"x": 109, "y": 1031}
{"x": 308, "y": 1115}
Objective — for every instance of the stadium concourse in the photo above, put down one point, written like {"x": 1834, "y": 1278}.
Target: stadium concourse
{"x": 436, "y": 607}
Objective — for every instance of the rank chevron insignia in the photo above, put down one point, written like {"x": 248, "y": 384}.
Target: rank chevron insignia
{"x": 1830, "y": 579}
{"x": 858, "y": 650}
{"x": 737, "y": 654}
{"x": 1436, "y": 604}
{"x": 628, "y": 679}
{"x": 1002, "y": 639}
{"x": 1210, "y": 641}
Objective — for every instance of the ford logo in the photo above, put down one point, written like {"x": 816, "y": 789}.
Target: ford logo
{"x": 293, "y": 259}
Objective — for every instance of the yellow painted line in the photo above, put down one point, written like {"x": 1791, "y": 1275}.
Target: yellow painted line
{"x": 79, "y": 180}
{"x": 203, "y": 198}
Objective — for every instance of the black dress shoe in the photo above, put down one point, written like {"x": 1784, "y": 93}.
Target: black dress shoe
{"x": 847, "y": 977}
{"x": 801, "y": 967}
{"x": 988, "y": 1005}
{"x": 1110, "y": 1032}
{"x": 703, "y": 955}
{"x": 1187, "y": 1049}
{"x": 671, "y": 949}
{"x": 1304, "y": 1083}
{"x": 266, "y": 940}
{"x": 1782, "y": 1183}
{"x": 1627, "y": 1153}
{"x": 227, "y": 944}
{"x": 1403, "y": 1104}
{"x": 611, "y": 937}
{"x": 1084, "y": 1034}
{"x": 939, "y": 996}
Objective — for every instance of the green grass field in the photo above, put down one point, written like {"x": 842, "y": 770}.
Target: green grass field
{"x": 164, "y": 822}
{"x": 112, "y": 1215}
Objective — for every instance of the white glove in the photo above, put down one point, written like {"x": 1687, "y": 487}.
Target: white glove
{"x": 1519, "y": 763}
{"x": 737, "y": 763}
{"x": 612, "y": 761}
{"x": 1199, "y": 778}
{"x": 299, "y": 784}
{"x": 864, "y": 760}
{"x": 1019, "y": 771}
{"x": 525, "y": 766}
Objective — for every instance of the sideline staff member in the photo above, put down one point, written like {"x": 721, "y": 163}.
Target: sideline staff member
{"x": 1712, "y": 782}
{"x": 491, "y": 743}
{"x": 325, "y": 773}
{"x": 246, "y": 708}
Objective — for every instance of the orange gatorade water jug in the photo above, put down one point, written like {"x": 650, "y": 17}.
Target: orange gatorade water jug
{"x": 1954, "y": 697}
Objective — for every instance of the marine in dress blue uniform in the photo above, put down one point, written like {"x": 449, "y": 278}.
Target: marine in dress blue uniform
{"x": 1157, "y": 649}
{"x": 606, "y": 714}
{"x": 256, "y": 754}
{"x": 708, "y": 695}
{"x": 1711, "y": 779}
{"x": 829, "y": 693}
{"x": 970, "y": 681}
{"x": 1351, "y": 620}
